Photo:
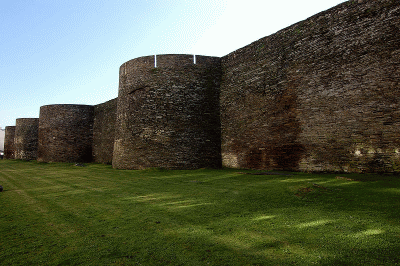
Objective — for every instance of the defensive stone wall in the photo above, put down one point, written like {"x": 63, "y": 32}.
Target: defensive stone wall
{"x": 322, "y": 94}
{"x": 104, "y": 131}
{"x": 168, "y": 116}
{"x": 65, "y": 133}
{"x": 9, "y": 147}
{"x": 26, "y": 138}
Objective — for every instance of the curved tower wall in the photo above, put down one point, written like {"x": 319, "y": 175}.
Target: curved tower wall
{"x": 26, "y": 138}
{"x": 9, "y": 147}
{"x": 168, "y": 116}
{"x": 65, "y": 133}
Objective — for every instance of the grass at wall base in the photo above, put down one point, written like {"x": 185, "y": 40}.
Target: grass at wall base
{"x": 61, "y": 214}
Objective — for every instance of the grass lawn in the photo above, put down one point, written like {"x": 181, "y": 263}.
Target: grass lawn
{"x": 61, "y": 214}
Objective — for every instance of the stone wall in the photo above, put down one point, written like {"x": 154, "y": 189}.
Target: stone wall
{"x": 168, "y": 116}
{"x": 65, "y": 133}
{"x": 9, "y": 147}
{"x": 104, "y": 131}
{"x": 322, "y": 94}
{"x": 26, "y": 138}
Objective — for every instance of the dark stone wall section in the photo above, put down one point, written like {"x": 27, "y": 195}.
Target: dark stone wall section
{"x": 65, "y": 133}
{"x": 104, "y": 131}
{"x": 168, "y": 116}
{"x": 26, "y": 138}
{"x": 322, "y": 94}
{"x": 9, "y": 147}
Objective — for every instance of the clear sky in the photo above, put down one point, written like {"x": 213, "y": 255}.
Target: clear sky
{"x": 55, "y": 52}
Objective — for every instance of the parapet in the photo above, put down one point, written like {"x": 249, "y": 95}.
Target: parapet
{"x": 203, "y": 60}
{"x": 145, "y": 63}
{"x": 174, "y": 60}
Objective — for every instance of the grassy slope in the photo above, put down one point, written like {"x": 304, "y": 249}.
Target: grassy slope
{"x": 60, "y": 214}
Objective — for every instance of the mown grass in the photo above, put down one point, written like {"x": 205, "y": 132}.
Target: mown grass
{"x": 60, "y": 214}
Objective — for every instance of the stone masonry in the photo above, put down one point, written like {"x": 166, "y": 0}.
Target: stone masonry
{"x": 104, "y": 131}
{"x": 65, "y": 133}
{"x": 168, "y": 116}
{"x": 9, "y": 147}
{"x": 26, "y": 138}
{"x": 320, "y": 95}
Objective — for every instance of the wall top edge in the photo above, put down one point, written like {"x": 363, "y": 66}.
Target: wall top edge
{"x": 108, "y": 101}
{"x": 67, "y": 105}
{"x": 354, "y": 5}
{"x": 21, "y": 119}
{"x": 151, "y": 59}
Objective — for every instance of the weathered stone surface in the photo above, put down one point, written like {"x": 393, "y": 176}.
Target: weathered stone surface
{"x": 9, "y": 147}
{"x": 322, "y": 94}
{"x": 168, "y": 116}
{"x": 65, "y": 133}
{"x": 26, "y": 138}
{"x": 104, "y": 131}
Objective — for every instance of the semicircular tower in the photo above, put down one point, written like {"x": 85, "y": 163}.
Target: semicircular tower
{"x": 9, "y": 147}
{"x": 168, "y": 116}
{"x": 26, "y": 138}
{"x": 65, "y": 133}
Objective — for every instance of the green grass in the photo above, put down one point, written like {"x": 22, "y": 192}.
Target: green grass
{"x": 60, "y": 214}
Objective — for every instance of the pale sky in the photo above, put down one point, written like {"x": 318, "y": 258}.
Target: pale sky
{"x": 69, "y": 52}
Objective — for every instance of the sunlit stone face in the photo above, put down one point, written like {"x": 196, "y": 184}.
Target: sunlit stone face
{"x": 230, "y": 160}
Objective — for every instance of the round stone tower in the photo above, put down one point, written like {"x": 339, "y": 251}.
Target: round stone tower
{"x": 26, "y": 138}
{"x": 65, "y": 133}
{"x": 168, "y": 115}
{"x": 9, "y": 147}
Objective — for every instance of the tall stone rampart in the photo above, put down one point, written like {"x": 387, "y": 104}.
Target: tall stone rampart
{"x": 322, "y": 94}
{"x": 9, "y": 147}
{"x": 65, "y": 133}
{"x": 26, "y": 138}
{"x": 168, "y": 116}
{"x": 104, "y": 131}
